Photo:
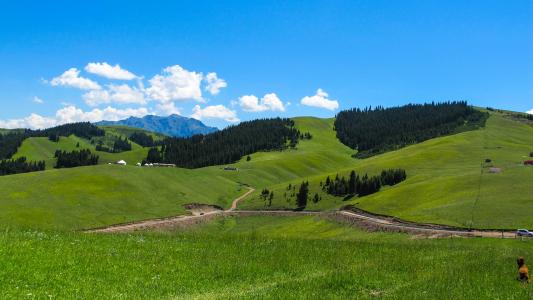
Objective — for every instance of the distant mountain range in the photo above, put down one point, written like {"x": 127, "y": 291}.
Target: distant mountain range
{"x": 173, "y": 125}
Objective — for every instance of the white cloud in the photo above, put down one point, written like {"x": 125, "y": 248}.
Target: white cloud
{"x": 71, "y": 78}
{"x": 175, "y": 84}
{"x": 115, "y": 93}
{"x": 215, "y": 112}
{"x": 530, "y": 112}
{"x": 168, "y": 109}
{"x": 214, "y": 84}
{"x": 269, "y": 102}
{"x": 38, "y": 100}
{"x": 96, "y": 97}
{"x": 70, "y": 114}
{"x": 108, "y": 71}
{"x": 33, "y": 121}
{"x": 320, "y": 100}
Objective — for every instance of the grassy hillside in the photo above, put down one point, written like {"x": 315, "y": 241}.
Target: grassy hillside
{"x": 41, "y": 148}
{"x": 128, "y": 131}
{"x": 445, "y": 183}
{"x": 253, "y": 258}
{"x": 77, "y": 198}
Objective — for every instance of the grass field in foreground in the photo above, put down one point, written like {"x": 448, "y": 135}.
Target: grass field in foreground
{"x": 258, "y": 257}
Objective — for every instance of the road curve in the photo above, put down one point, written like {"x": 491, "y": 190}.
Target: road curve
{"x": 361, "y": 219}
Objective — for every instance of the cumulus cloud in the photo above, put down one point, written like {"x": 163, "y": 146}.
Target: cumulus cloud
{"x": 270, "y": 101}
{"x": 115, "y": 93}
{"x": 215, "y": 112}
{"x": 71, "y": 78}
{"x": 214, "y": 84}
{"x": 175, "y": 84}
{"x": 38, "y": 100}
{"x": 320, "y": 99}
{"x": 530, "y": 112}
{"x": 111, "y": 72}
{"x": 70, "y": 114}
{"x": 168, "y": 109}
{"x": 33, "y": 121}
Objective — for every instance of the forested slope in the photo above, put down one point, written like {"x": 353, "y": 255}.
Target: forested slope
{"x": 374, "y": 131}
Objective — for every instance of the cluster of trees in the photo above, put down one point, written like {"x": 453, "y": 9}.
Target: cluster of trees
{"x": 9, "y": 143}
{"x": 267, "y": 195}
{"x": 75, "y": 158}
{"x": 120, "y": 145}
{"x": 19, "y": 165}
{"x": 523, "y": 116}
{"x": 142, "y": 139}
{"x": 302, "y": 196}
{"x": 53, "y": 137}
{"x": 373, "y": 131}
{"x": 228, "y": 145}
{"x": 305, "y": 136}
{"x": 362, "y": 186}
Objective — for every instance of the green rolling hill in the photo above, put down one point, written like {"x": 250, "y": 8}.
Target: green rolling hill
{"x": 446, "y": 183}
{"x": 41, "y": 148}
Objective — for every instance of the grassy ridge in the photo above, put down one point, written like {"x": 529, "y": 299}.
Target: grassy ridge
{"x": 41, "y": 148}
{"x": 77, "y": 198}
{"x": 258, "y": 258}
{"x": 445, "y": 183}
{"x": 443, "y": 175}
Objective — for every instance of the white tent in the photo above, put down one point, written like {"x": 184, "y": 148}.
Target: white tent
{"x": 121, "y": 162}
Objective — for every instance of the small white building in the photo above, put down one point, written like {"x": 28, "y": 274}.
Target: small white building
{"x": 121, "y": 162}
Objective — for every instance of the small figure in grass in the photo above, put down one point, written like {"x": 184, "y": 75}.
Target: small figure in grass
{"x": 523, "y": 271}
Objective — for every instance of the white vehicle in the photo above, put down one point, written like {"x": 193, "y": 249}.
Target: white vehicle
{"x": 524, "y": 232}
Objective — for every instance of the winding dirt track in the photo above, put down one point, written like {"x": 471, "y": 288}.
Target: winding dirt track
{"x": 360, "y": 219}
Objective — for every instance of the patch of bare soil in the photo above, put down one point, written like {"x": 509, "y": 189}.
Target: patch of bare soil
{"x": 198, "y": 209}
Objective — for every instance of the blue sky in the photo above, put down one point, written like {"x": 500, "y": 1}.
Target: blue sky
{"x": 272, "y": 57}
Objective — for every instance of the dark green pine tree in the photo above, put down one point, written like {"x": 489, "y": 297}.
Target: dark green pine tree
{"x": 301, "y": 197}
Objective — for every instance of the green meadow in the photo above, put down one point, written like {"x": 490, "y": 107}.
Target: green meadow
{"x": 86, "y": 197}
{"x": 258, "y": 257}
{"x": 41, "y": 148}
{"x": 447, "y": 182}
{"x": 44, "y": 254}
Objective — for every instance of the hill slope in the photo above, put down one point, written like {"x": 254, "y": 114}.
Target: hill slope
{"x": 173, "y": 125}
{"x": 85, "y": 197}
{"x": 445, "y": 182}
{"x": 41, "y": 148}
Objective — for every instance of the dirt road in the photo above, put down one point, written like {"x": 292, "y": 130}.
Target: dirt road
{"x": 170, "y": 222}
{"x": 236, "y": 201}
{"x": 362, "y": 219}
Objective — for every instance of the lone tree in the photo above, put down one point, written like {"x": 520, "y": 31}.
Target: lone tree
{"x": 301, "y": 197}
{"x": 352, "y": 184}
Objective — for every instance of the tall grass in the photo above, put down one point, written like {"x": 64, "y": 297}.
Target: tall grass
{"x": 252, "y": 258}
